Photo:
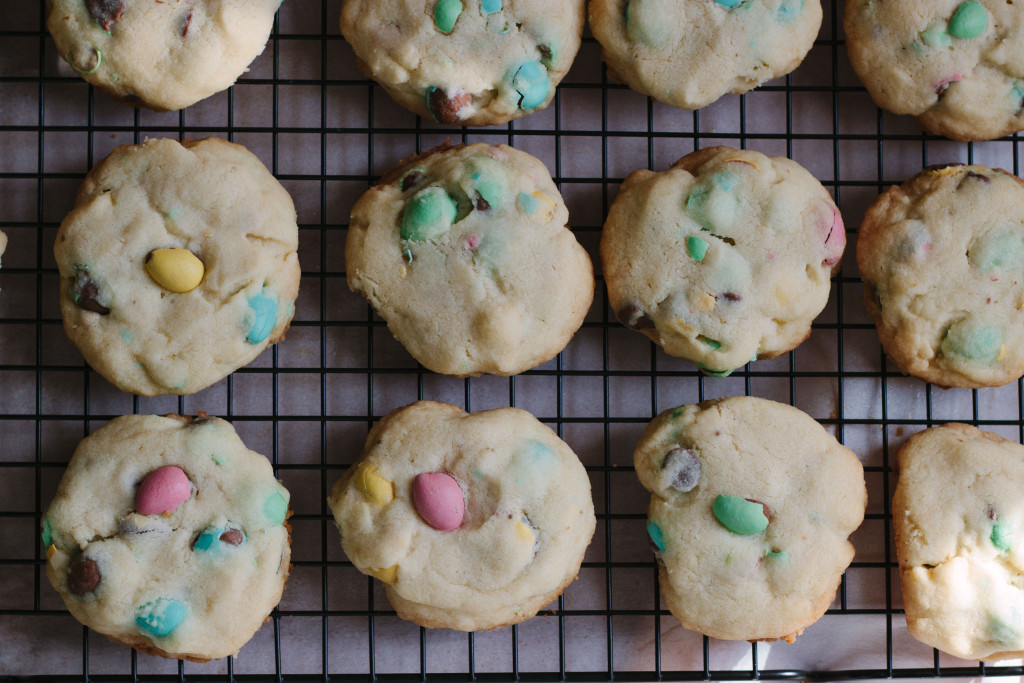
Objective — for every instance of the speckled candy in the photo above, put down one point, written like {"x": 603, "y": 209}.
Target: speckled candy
{"x": 264, "y": 318}
{"x": 974, "y": 341}
{"x": 163, "y": 490}
{"x": 533, "y": 84}
{"x": 439, "y": 500}
{"x": 160, "y": 617}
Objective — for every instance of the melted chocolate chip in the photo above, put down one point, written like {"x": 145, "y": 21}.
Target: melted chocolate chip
{"x": 729, "y": 296}
{"x": 767, "y": 510}
{"x": 634, "y": 318}
{"x": 105, "y": 12}
{"x": 83, "y": 575}
{"x": 971, "y": 175}
{"x": 482, "y": 204}
{"x": 411, "y": 179}
{"x": 199, "y": 421}
{"x": 232, "y": 537}
{"x": 939, "y": 167}
{"x": 86, "y": 292}
{"x": 445, "y": 109}
{"x": 545, "y": 52}
{"x": 186, "y": 23}
{"x": 684, "y": 468}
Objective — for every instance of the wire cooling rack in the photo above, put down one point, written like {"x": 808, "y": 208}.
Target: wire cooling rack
{"x": 326, "y": 132}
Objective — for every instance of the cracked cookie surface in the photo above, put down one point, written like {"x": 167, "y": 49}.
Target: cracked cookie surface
{"x": 752, "y": 502}
{"x": 178, "y": 264}
{"x": 956, "y": 66}
{"x": 465, "y": 62}
{"x": 162, "y": 55}
{"x": 196, "y": 574}
{"x": 941, "y": 257}
{"x": 466, "y": 254}
{"x": 688, "y": 53}
{"x": 725, "y": 258}
{"x": 958, "y": 518}
{"x": 473, "y": 521}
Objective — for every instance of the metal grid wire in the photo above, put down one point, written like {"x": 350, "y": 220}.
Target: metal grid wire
{"x": 326, "y": 133}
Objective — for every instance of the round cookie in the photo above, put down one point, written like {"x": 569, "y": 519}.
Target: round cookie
{"x": 956, "y": 66}
{"x": 161, "y": 55}
{"x": 961, "y": 560}
{"x": 465, "y": 253}
{"x": 465, "y": 62}
{"x": 752, "y": 502}
{"x": 178, "y": 264}
{"x": 688, "y": 53}
{"x": 168, "y": 535}
{"x": 472, "y": 521}
{"x": 941, "y": 258}
{"x": 724, "y": 258}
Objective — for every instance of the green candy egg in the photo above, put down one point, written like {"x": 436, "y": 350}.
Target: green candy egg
{"x": 160, "y": 617}
{"x": 1000, "y": 537}
{"x": 696, "y": 247}
{"x": 645, "y": 22}
{"x": 1001, "y": 251}
{"x": 533, "y": 84}
{"x": 264, "y": 318}
{"x": 428, "y": 215}
{"x": 969, "y": 21}
{"x": 935, "y": 35}
{"x": 446, "y": 13}
{"x": 789, "y": 10}
{"x": 974, "y": 341}
{"x": 275, "y": 508}
{"x": 47, "y": 533}
{"x": 739, "y": 515}
{"x": 656, "y": 534}
{"x": 490, "y": 6}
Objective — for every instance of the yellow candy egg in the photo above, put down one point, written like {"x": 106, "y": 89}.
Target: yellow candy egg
{"x": 176, "y": 270}
{"x": 373, "y": 486}
{"x": 387, "y": 575}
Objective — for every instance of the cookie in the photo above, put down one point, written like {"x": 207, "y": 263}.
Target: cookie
{"x": 954, "y": 65}
{"x": 168, "y": 535}
{"x": 465, "y": 253}
{"x": 941, "y": 258}
{"x": 161, "y": 55}
{"x": 724, "y": 258}
{"x": 3, "y": 243}
{"x": 958, "y": 523}
{"x": 465, "y": 62}
{"x": 472, "y": 521}
{"x": 178, "y": 264}
{"x": 752, "y": 503}
{"x": 688, "y": 53}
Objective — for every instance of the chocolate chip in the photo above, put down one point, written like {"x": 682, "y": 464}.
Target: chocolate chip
{"x": 232, "y": 537}
{"x": 105, "y": 12}
{"x": 545, "y": 52}
{"x": 83, "y": 575}
{"x": 199, "y": 421}
{"x": 445, "y": 108}
{"x": 684, "y": 468}
{"x": 729, "y": 296}
{"x": 481, "y": 204}
{"x": 971, "y": 175}
{"x": 411, "y": 179}
{"x": 86, "y": 292}
{"x": 186, "y": 23}
{"x": 767, "y": 510}
{"x": 634, "y": 318}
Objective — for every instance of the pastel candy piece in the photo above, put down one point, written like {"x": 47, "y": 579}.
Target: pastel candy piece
{"x": 739, "y": 515}
{"x": 969, "y": 21}
{"x": 713, "y": 373}
{"x": 490, "y": 6}
{"x": 533, "y": 84}
{"x": 212, "y": 537}
{"x": 728, "y": 3}
{"x": 176, "y": 270}
{"x": 657, "y": 537}
{"x": 160, "y": 617}
{"x": 835, "y": 239}
{"x": 681, "y": 470}
{"x": 1000, "y": 251}
{"x": 387, "y": 574}
{"x": 1001, "y": 631}
{"x": 264, "y": 318}
{"x": 524, "y": 533}
{"x": 446, "y": 13}
{"x": 526, "y": 203}
{"x": 645, "y": 22}
{"x": 439, "y": 500}
{"x": 163, "y": 490}
{"x": 47, "y": 533}
{"x": 696, "y": 247}
{"x": 50, "y": 550}
{"x": 375, "y": 487}
{"x": 428, "y": 215}
{"x": 974, "y": 341}
{"x": 942, "y": 85}
{"x": 935, "y": 35}
{"x": 789, "y": 10}
{"x": 1000, "y": 536}
{"x": 713, "y": 344}
{"x": 713, "y": 205}
{"x": 275, "y": 508}
{"x": 778, "y": 555}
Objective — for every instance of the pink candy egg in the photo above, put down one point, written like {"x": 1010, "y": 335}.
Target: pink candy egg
{"x": 835, "y": 239}
{"x": 163, "y": 491}
{"x": 438, "y": 500}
